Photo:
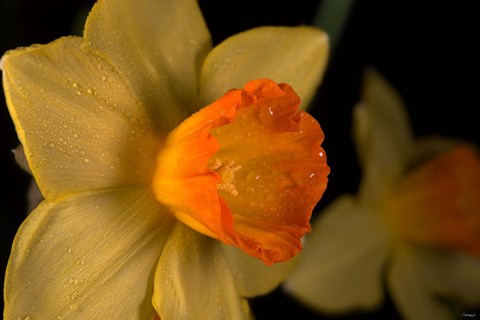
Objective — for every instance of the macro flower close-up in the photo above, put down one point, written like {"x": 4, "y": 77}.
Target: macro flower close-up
{"x": 198, "y": 159}
{"x": 174, "y": 175}
{"x": 412, "y": 229}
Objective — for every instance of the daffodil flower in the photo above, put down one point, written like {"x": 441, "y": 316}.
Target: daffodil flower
{"x": 414, "y": 226}
{"x": 151, "y": 211}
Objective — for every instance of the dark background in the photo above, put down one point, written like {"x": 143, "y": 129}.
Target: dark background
{"x": 424, "y": 48}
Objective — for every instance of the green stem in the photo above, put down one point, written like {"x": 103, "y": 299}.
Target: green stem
{"x": 332, "y": 16}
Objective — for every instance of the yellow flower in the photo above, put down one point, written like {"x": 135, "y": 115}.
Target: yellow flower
{"x": 414, "y": 224}
{"x": 136, "y": 194}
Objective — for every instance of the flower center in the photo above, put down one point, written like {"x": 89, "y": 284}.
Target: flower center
{"x": 226, "y": 170}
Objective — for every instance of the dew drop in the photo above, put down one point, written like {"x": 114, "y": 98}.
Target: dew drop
{"x": 251, "y": 176}
{"x": 75, "y": 135}
{"x": 90, "y": 91}
{"x": 99, "y": 66}
{"x": 67, "y": 250}
{"x": 51, "y": 145}
{"x": 104, "y": 78}
{"x": 76, "y": 85}
{"x": 79, "y": 93}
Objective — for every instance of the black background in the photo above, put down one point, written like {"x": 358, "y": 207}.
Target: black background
{"x": 424, "y": 48}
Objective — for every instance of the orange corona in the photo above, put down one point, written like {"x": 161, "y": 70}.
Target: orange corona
{"x": 247, "y": 169}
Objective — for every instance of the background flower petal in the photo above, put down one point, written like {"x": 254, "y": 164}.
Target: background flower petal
{"x": 91, "y": 256}
{"x": 343, "y": 238}
{"x": 79, "y": 125}
{"x": 295, "y": 55}
{"x": 383, "y": 136}
{"x": 194, "y": 281}
{"x": 157, "y": 46}
{"x": 453, "y": 275}
{"x": 410, "y": 290}
{"x": 252, "y": 276}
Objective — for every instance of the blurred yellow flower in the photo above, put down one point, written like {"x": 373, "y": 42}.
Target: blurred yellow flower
{"x": 102, "y": 122}
{"x": 413, "y": 227}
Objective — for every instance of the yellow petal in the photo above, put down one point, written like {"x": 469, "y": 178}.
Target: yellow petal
{"x": 91, "y": 256}
{"x": 385, "y": 114}
{"x": 383, "y": 137}
{"x": 294, "y": 55}
{"x": 77, "y": 121}
{"x": 340, "y": 268}
{"x": 409, "y": 289}
{"x": 453, "y": 274}
{"x": 157, "y": 47}
{"x": 193, "y": 280}
{"x": 252, "y": 277}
